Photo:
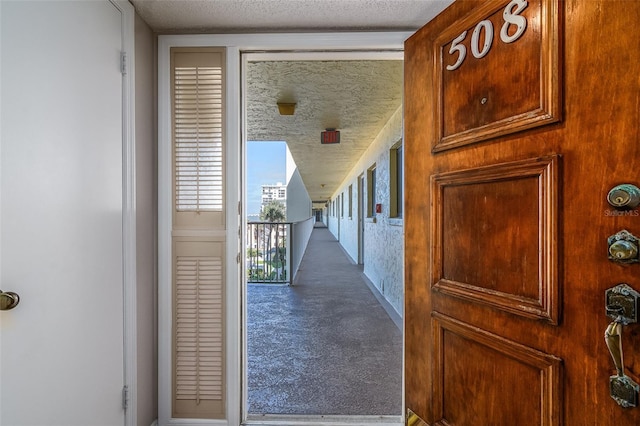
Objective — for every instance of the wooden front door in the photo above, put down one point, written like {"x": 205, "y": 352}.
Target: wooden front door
{"x": 520, "y": 117}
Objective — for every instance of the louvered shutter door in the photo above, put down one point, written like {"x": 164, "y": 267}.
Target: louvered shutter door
{"x": 198, "y": 328}
{"x": 198, "y": 99}
{"x": 198, "y": 258}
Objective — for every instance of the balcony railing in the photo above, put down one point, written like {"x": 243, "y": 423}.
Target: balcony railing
{"x": 268, "y": 252}
{"x": 275, "y": 249}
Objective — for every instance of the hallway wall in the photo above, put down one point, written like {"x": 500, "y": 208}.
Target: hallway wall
{"x": 298, "y": 201}
{"x": 384, "y": 235}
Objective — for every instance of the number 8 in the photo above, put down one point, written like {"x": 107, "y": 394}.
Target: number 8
{"x": 511, "y": 17}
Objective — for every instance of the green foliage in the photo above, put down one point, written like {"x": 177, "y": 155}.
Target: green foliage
{"x": 253, "y": 252}
{"x": 256, "y": 275}
{"x": 271, "y": 266}
{"x": 273, "y": 212}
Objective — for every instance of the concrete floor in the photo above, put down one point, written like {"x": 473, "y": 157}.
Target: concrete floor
{"x": 325, "y": 345}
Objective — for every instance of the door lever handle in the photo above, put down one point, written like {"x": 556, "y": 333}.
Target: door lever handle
{"x": 622, "y": 306}
{"x": 622, "y": 388}
{"x": 8, "y": 300}
{"x": 613, "y": 338}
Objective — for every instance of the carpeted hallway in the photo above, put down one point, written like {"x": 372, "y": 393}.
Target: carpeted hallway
{"x": 325, "y": 345}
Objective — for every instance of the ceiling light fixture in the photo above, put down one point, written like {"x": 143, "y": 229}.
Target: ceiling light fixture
{"x": 286, "y": 108}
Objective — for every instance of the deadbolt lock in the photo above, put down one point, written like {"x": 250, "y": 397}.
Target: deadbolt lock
{"x": 623, "y": 247}
{"x": 625, "y": 196}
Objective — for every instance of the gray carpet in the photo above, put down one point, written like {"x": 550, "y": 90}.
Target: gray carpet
{"x": 325, "y": 345}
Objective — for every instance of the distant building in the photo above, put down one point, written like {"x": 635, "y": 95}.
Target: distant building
{"x": 277, "y": 192}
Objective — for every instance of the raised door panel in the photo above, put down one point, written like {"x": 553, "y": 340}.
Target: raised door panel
{"x": 479, "y": 94}
{"x": 467, "y": 356}
{"x": 494, "y": 236}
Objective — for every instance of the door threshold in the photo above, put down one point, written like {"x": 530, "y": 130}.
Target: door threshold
{"x": 320, "y": 420}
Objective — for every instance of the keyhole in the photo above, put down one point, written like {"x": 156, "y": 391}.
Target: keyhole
{"x": 625, "y": 196}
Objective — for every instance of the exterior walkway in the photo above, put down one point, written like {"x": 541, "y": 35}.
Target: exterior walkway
{"x": 325, "y": 345}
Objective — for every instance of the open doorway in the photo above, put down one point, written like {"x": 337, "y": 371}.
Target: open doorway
{"x": 310, "y": 349}
{"x": 230, "y": 239}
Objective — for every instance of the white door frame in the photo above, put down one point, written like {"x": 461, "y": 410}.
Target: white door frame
{"x": 361, "y": 216}
{"x": 335, "y": 46}
{"x": 129, "y": 213}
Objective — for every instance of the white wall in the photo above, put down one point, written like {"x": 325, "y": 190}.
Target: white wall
{"x": 384, "y": 237}
{"x": 300, "y": 235}
{"x": 298, "y": 201}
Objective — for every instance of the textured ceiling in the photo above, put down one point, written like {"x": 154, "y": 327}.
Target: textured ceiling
{"x": 171, "y": 16}
{"x": 355, "y": 97}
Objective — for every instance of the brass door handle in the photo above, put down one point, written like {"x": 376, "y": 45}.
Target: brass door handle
{"x": 622, "y": 306}
{"x": 8, "y": 300}
{"x": 613, "y": 338}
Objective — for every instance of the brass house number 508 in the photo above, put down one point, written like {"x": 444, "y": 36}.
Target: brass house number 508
{"x": 511, "y": 15}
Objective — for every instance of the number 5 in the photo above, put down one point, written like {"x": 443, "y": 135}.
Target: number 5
{"x": 460, "y": 48}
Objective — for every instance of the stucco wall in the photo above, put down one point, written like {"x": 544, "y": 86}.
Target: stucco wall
{"x": 383, "y": 238}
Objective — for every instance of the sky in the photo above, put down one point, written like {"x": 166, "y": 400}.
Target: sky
{"x": 266, "y": 164}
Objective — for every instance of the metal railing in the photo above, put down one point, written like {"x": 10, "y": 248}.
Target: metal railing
{"x": 268, "y": 252}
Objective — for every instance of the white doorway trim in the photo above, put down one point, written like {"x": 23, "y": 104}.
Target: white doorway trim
{"x": 236, "y": 44}
{"x": 129, "y": 250}
{"x": 361, "y": 216}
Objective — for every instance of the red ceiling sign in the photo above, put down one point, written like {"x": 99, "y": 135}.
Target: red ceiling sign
{"x": 330, "y": 136}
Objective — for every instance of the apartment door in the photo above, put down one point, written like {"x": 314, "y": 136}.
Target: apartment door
{"x": 521, "y": 116}
{"x": 339, "y": 202}
{"x": 61, "y": 358}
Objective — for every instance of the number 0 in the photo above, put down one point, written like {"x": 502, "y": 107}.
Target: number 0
{"x": 488, "y": 39}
